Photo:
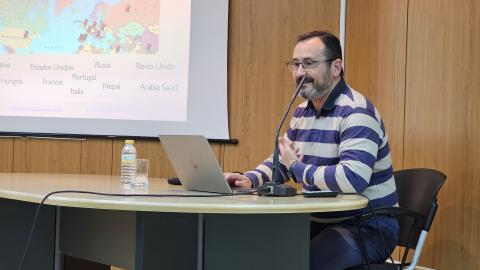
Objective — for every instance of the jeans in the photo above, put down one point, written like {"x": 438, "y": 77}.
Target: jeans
{"x": 337, "y": 246}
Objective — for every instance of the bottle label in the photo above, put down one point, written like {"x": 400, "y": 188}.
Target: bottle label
{"x": 128, "y": 158}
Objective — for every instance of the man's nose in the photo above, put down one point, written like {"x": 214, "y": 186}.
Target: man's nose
{"x": 300, "y": 71}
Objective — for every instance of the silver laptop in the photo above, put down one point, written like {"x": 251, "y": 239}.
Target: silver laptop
{"x": 195, "y": 164}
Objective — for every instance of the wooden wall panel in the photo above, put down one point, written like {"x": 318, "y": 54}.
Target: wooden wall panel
{"x": 375, "y": 57}
{"x": 19, "y": 155}
{"x": 47, "y": 156}
{"x": 96, "y": 156}
{"x": 442, "y": 122}
{"x": 262, "y": 35}
{"x": 6, "y": 155}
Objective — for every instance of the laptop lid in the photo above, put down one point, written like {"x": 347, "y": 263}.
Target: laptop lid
{"x": 194, "y": 162}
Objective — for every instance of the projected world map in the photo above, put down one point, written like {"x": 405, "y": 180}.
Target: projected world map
{"x": 79, "y": 27}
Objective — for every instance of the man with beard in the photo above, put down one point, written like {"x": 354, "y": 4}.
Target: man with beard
{"x": 336, "y": 141}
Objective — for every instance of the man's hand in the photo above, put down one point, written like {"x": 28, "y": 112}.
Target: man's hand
{"x": 237, "y": 180}
{"x": 288, "y": 152}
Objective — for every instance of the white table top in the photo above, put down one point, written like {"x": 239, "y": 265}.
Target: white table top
{"x": 33, "y": 187}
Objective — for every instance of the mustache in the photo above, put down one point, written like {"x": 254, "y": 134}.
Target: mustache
{"x": 308, "y": 79}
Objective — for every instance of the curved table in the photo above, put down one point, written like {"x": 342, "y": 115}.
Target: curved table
{"x": 148, "y": 232}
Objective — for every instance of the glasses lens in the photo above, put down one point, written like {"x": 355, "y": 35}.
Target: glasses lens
{"x": 293, "y": 66}
{"x": 309, "y": 64}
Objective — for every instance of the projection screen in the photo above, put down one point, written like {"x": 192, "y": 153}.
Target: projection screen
{"x": 122, "y": 68}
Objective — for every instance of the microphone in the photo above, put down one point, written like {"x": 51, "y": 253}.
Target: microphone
{"x": 275, "y": 187}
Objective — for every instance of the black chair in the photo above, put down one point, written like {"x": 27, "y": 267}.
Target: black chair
{"x": 417, "y": 198}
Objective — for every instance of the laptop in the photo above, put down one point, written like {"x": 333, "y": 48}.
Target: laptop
{"x": 195, "y": 164}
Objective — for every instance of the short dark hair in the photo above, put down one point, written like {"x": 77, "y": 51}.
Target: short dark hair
{"x": 333, "y": 49}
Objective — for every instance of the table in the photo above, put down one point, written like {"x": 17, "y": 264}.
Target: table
{"x": 237, "y": 232}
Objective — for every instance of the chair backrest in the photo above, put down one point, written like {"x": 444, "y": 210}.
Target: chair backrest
{"x": 417, "y": 190}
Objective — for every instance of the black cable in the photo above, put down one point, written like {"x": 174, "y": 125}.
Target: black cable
{"x": 369, "y": 205}
{"x": 25, "y": 251}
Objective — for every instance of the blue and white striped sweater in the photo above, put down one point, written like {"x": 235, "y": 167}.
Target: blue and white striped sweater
{"x": 344, "y": 147}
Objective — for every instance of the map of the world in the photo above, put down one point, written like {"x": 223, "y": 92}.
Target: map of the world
{"x": 79, "y": 26}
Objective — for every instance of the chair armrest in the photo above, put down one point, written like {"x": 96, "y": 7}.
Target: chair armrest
{"x": 376, "y": 212}
{"x": 388, "y": 212}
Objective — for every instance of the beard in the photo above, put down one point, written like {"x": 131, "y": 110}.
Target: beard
{"x": 319, "y": 89}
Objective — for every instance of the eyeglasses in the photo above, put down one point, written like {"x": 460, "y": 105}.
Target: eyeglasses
{"x": 307, "y": 65}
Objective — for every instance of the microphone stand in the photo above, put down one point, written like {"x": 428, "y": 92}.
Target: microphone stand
{"x": 275, "y": 187}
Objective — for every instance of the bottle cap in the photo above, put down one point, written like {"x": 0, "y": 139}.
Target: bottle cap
{"x": 129, "y": 141}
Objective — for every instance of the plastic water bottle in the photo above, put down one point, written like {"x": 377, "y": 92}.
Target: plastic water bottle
{"x": 129, "y": 163}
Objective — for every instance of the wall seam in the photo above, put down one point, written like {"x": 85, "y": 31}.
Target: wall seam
{"x": 405, "y": 88}
{"x": 81, "y": 156}
{"x": 111, "y": 164}
{"x": 13, "y": 155}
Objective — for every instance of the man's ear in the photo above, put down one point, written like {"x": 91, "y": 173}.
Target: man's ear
{"x": 336, "y": 67}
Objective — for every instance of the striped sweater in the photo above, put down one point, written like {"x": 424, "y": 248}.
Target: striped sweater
{"x": 344, "y": 147}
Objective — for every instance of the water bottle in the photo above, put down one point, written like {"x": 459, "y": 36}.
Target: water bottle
{"x": 128, "y": 166}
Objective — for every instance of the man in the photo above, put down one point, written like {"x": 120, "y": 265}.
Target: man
{"x": 336, "y": 141}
